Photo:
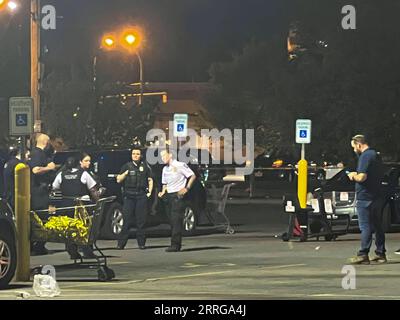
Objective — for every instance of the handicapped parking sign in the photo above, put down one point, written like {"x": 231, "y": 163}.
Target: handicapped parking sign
{"x": 180, "y": 127}
{"x": 21, "y": 120}
{"x": 303, "y": 131}
{"x": 20, "y": 116}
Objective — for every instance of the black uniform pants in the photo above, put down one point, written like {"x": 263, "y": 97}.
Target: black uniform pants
{"x": 175, "y": 210}
{"x": 39, "y": 201}
{"x": 135, "y": 205}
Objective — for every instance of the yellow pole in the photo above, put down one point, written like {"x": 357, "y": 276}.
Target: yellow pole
{"x": 302, "y": 183}
{"x": 22, "y": 213}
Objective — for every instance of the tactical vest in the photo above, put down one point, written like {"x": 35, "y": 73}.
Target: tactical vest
{"x": 71, "y": 185}
{"x": 136, "y": 181}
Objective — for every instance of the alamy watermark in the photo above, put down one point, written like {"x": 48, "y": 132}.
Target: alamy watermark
{"x": 349, "y": 280}
{"x": 228, "y": 147}
{"x": 49, "y": 18}
{"x": 349, "y": 20}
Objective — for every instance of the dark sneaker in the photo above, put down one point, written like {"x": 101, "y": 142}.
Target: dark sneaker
{"x": 397, "y": 252}
{"x": 359, "y": 260}
{"x": 172, "y": 249}
{"x": 142, "y": 247}
{"x": 381, "y": 258}
{"x": 72, "y": 250}
{"x": 38, "y": 249}
{"x": 88, "y": 253}
{"x": 121, "y": 244}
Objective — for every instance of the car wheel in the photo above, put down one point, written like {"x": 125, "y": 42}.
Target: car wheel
{"x": 8, "y": 258}
{"x": 113, "y": 222}
{"x": 189, "y": 220}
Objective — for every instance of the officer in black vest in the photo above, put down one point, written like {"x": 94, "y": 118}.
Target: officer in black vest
{"x": 75, "y": 183}
{"x": 137, "y": 188}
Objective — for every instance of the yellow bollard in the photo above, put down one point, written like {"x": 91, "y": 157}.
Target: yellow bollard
{"x": 22, "y": 213}
{"x": 302, "y": 183}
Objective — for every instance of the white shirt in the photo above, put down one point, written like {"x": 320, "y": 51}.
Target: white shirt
{"x": 86, "y": 179}
{"x": 175, "y": 176}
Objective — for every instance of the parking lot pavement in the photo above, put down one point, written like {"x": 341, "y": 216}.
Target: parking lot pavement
{"x": 250, "y": 264}
{"x": 240, "y": 266}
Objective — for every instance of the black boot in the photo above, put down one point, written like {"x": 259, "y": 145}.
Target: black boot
{"x": 87, "y": 252}
{"x": 121, "y": 244}
{"x": 72, "y": 250}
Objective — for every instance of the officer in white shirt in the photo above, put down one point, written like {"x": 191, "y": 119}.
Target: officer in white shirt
{"x": 177, "y": 179}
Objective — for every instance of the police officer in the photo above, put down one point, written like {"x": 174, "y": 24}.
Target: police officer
{"x": 177, "y": 179}
{"x": 9, "y": 173}
{"x": 137, "y": 188}
{"x": 74, "y": 183}
{"x": 42, "y": 169}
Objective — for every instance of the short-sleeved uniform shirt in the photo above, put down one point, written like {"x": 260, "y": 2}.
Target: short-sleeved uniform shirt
{"x": 175, "y": 176}
{"x": 369, "y": 163}
{"x": 39, "y": 158}
{"x": 86, "y": 179}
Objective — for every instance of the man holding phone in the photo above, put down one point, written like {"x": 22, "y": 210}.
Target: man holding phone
{"x": 368, "y": 179}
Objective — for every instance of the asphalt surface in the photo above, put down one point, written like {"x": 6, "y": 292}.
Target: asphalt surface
{"x": 253, "y": 263}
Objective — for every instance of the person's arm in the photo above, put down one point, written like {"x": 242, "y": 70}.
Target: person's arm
{"x": 362, "y": 169}
{"x": 42, "y": 170}
{"x": 189, "y": 184}
{"x": 57, "y": 182}
{"x": 357, "y": 177}
{"x": 189, "y": 174}
{"x": 92, "y": 186}
{"x": 123, "y": 174}
{"x": 150, "y": 180}
{"x": 163, "y": 191}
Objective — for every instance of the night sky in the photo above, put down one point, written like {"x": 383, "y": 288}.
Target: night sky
{"x": 182, "y": 37}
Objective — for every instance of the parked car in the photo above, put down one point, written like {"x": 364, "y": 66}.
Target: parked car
{"x": 336, "y": 196}
{"x": 106, "y": 164}
{"x": 8, "y": 250}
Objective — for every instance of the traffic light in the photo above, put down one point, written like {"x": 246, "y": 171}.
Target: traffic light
{"x": 164, "y": 98}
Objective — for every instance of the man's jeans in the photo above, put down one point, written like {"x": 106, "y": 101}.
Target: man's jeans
{"x": 370, "y": 221}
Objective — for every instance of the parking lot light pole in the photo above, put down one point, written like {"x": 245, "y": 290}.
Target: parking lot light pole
{"x": 35, "y": 66}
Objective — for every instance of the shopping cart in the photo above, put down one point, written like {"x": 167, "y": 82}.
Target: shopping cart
{"x": 88, "y": 217}
{"x": 216, "y": 203}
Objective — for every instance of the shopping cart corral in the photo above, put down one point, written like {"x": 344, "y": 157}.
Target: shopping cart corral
{"x": 78, "y": 225}
{"x": 216, "y": 204}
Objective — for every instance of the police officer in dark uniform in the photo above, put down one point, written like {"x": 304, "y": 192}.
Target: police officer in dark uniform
{"x": 137, "y": 188}
{"x": 42, "y": 169}
{"x": 9, "y": 176}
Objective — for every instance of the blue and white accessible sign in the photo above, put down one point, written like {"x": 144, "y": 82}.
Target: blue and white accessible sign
{"x": 303, "y": 131}
{"x": 20, "y": 121}
{"x": 181, "y": 125}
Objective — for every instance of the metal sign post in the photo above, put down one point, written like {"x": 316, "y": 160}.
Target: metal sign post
{"x": 303, "y": 136}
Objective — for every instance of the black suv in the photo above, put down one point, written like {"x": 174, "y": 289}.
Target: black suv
{"x": 106, "y": 164}
{"x": 8, "y": 250}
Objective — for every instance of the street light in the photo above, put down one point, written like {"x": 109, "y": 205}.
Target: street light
{"x": 129, "y": 39}
{"x": 12, "y": 5}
